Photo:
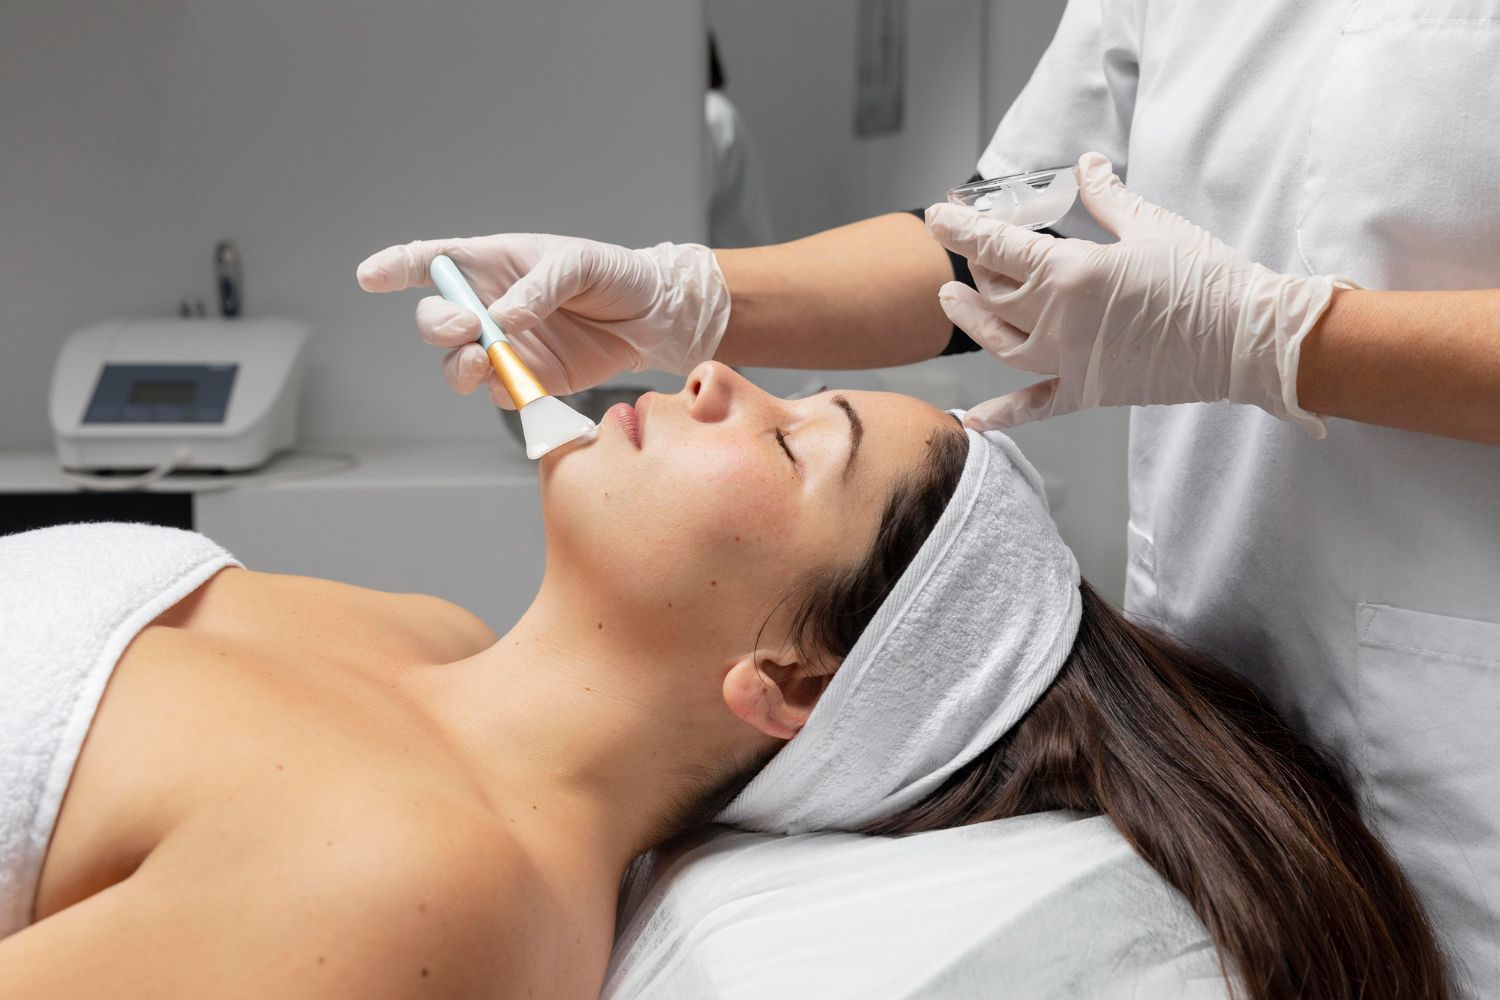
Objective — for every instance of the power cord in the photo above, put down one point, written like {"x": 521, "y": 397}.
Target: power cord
{"x": 338, "y": 461}
{"x": 117, "y": 484}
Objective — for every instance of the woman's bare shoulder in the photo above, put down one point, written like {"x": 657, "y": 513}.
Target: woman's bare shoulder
{"x": 237, "y": 599}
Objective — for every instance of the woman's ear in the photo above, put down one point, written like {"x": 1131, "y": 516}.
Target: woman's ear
{"x": 775, "y": 693}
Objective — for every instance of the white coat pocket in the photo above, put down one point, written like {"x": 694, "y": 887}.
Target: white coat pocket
{"x": 1402, "y": 187}
{"x": 1429, "y": 715}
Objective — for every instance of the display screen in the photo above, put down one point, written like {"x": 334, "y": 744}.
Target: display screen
{"x": 163, "y": 393}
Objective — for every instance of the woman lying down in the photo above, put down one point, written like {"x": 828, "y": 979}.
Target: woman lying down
{"x": 288, "y": 787}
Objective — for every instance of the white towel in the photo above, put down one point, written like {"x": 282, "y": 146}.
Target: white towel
{"x": 71, "y": 599}
{"x": 973, "y": 633}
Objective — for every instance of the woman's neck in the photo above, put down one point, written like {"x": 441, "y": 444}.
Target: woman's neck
{"x": 586, "y": 727}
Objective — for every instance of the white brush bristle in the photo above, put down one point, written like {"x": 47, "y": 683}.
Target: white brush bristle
{"x": 548, "y": 422}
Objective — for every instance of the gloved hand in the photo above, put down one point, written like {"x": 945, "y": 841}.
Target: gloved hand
{"x": 1167, "y": 315}
{"x": 576, "y": 311}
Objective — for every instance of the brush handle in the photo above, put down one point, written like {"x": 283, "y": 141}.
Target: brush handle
{"x": 455, "y": 288}
{"x": 514, "y": 375}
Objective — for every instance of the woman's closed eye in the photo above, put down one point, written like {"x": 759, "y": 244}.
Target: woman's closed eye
{"x": 781, "y": 440}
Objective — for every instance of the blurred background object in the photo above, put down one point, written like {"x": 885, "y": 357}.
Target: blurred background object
{"x": 739, "y": 208}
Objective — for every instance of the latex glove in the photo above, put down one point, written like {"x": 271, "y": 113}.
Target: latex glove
{"x": 576, "y": 311}
{"x": 1167, "y": 315}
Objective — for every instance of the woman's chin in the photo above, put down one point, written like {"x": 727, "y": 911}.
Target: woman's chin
{"x": 577, "y": 446}
{"x": 582, "y": 467}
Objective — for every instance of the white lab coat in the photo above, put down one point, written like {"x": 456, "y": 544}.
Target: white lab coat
{"x": 1356, "y": 579}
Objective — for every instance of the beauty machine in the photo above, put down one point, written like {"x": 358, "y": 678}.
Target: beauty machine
{"x": 177, "y": 394}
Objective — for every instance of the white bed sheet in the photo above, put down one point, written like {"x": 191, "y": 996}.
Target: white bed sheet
{"x": 1048, "y": 905}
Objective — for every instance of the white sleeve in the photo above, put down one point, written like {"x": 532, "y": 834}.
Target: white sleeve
{"x": 1080, "y": 97}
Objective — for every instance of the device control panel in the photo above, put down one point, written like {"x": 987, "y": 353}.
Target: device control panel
{"x": 161, "y": 394}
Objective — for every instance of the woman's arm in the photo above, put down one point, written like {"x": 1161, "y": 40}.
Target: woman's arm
{"x": 860, "y": 296}
{"x": 1419, "y": 361}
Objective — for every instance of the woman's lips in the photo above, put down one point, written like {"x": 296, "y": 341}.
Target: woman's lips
{"x": 624, "y": 415}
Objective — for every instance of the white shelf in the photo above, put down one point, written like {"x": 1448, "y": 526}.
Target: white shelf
{"x": 492, "y": 462}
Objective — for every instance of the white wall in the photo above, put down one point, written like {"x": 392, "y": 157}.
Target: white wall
{"x": 313, "y": 132}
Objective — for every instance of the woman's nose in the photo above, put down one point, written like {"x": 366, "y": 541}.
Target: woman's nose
{"x": 711, "y": 389}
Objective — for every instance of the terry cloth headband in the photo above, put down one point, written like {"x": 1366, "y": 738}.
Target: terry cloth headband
{"x": 973, "y": 633}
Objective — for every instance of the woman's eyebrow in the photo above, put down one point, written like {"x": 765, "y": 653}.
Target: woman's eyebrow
{"x": 856, "y": 432}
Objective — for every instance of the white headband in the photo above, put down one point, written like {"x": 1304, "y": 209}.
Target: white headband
{"x": 973, "y": 633}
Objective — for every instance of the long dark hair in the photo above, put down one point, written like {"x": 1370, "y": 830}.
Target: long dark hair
{"x": 1257, "y": 828}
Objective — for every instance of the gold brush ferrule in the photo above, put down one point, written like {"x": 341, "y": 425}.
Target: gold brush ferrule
{"x": 514, "y": 375}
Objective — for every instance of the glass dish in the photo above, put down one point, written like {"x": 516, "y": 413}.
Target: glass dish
{"x": 1033, "y": 200}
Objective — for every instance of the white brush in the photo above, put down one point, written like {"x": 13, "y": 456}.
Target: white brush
{"x": 546, "y": 420}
